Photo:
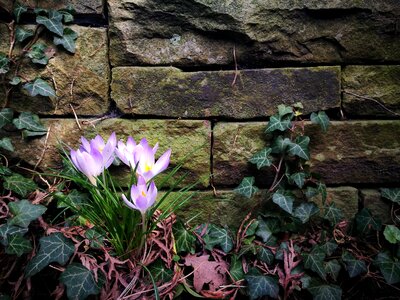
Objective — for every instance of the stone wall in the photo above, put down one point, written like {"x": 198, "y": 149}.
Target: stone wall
{"x": 208, "y": 73}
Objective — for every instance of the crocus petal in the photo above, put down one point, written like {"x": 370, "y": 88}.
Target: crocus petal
{"x": 152, "y": 194}
{"x": 130, "y": 144}
{"x": 85, "y": 144}
{"x": 141, "y": 203}
{"x": 135, "y": 192}
{"x": 128, "y": 203}
{"x": 162, "y": 163}
{"x": 74, "y": 161}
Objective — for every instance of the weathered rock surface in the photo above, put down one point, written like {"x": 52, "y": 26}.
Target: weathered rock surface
{"x": 345, "y": 198}
{"x": 86, "y": 7}
{"x": 80, "y": 80}
{"x": 371, "y": 90}
{"x": 167, "y": 91}
{"x": 351, "y": 152}
{"x": 204, "y": 32}
{"x": 379, "y": 207}
{"x": 182, "y": 137}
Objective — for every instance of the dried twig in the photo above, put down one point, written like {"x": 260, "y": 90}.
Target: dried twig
{"x": 76, "y": 117}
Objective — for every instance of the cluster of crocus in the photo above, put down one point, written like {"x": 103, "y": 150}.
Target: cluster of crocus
{"x": 96, "y": 155}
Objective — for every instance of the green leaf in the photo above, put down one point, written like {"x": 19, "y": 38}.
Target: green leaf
{"x": 37, "y": 54}
{"x": 53, "y": 22}
{"x": 29, "y": 121}
{"x": 40, "y": 10}
{"x": 96, "y": 238}
{"x": 24, "y": 212}
{"x": 4, "y": 171}
{"x": 329, "y": 247}
{"x": 298, "y": 178}
{"x": 184, "y": 239}
{"x": 246, "y": 187}
{"x": 4, "y": 64}
{"x": 315, "y": 261}
{"x": 322, "y": 190}
{"x": 320, "y": 118}
{"x": 18, "y": 245}
{"x": 266, "y": 228}
{"x": 265, "y": 255}
{"x": 19, "y": 184}
{"x": 6, "y": 144}
{"x": 236, "y": 269}
{"x": 300, "y": 147}
{"x": 279, "y": 144}
{"x": 73, "y": 199}
{"x": 389, "y": 268}
{"x": 326, "y": 292}
{"x": 79, "y": 281}
{"x": 332, "y": 268}
{"x": 7, "y": 230}
{"x": 6, "y": 116}
{"x": 262, "y": 158}
{"x": 354, "y": 266}
{"x": 28, "y": 133}
{"x": 278, "y": 123}
{"x": 392, "y": 234}
{"x": 16, "y": 80}
{"x": 218, "y": 237}
{"x": 365, "y": 222}
{"x": 305, "y": 211}
{"x": 160, "y": 272}
{"x": 53, "y": 248}
{"x": 19, "y": 9}
{"x": 68, "y": 17}
{"x": 67, "y": 40}
{"x": 22, "y": 34}
{"x": 391, "y": 194}
{"x": 333, "y": 214}
{"x": 284, "y": 200}
{"x": 284, "y": 110}
{"x": 259, "y": 286}
{"x": 39, "y": 87}
{"x": 311, "y": 192}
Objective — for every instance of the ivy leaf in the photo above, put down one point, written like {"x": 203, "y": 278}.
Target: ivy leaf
{"x": 266, "y": 228}
{"x": 72, "y": 199}
{"x": 333, "y": 214}
{"x": 329, "y": 247}
{"x": 315, "y": 261}
{"x": 265, "y": 255}
{"x": 19, "y": 9}
{"x": 305, "y": 211}
{"x": 37, "y": 53}
{"x": 79, "y": 281}
{"x": 392, "y": 234}
{"x": 22, "y": 34}
{"x": 53, "y": 22}
{"x": 326, "y": 292}
{"x": 262, "y": 158}
{"x": 320, "y": 118}
{"x": 7, "y": 230}
{"x": 67, "y": 40}
{"x": 389, "y": 268}
{"x": 53, "y": 248}
{"x": 39, "y": 87}
{"x": 18, "y": 245}
{"x": 236, "y": 269}
{"x": 184, "y": 239}
{"x": 19, "y": 184}
{"x": 298, "y": 178}
{"x": 278, "y": 123}
{"x": 332, "y": 268}
{"x": 218, "y": 237}
{"x": 68, "y": 17}
{"x": 16, "y": 80}
{"x": 284, "y": 110}
{"x": 4, "y": 171}
{"x": 246, "y": 187}
{"x": 24, "y": 212}
{"x": 6, "y": 144}
{"x": 279, "y": 144}
{"x": 365, "y": 222}
{"x": 259, "y": 286}
{"x": 96, "y": 238}
{"x": 6, "y": 116}
{"x": 29, "y": 121}
{"x": 300, "y": 147}
{"x": 4, "y": 64}
{"x": 391, "y": 194}
{"x": 284, "y": 200}
{"x": 322, "y": 190}
{"x": 354, "y": 266}
{"x": 160, "y": 272}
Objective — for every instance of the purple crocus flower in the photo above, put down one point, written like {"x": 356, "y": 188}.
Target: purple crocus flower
{"x": 142, "y": 197}
{"x": 126, "y": 152}
{"x": 93, "y": 157}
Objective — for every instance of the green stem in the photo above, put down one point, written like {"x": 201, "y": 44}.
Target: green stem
{"x": 144, "y": 229}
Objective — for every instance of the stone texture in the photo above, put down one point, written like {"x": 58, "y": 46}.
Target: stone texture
{"x": 351, "y": 152}
{"x": 379, "y": 207}
{"x": 86, "y": 7}
{"x": 204, "y": 32}
{"x": 345, "y": 198}
{"x": 181, "y": 136}
{"x": 256, "y": 93}
{"x": 80, "y": 80}
{"x": 379, "y": 83}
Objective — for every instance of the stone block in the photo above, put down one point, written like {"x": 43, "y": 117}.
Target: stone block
{"x": 167, "y": 91}
{"x": 183, "y": 137}
{"x": 351, "y": 152}
{"x": 204, "y": 32}
{"x": 372, "y": 91}
{"x": 379, "y": 207}
{"x": 80, "y": 80}
{"x": 84, "y": 7}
